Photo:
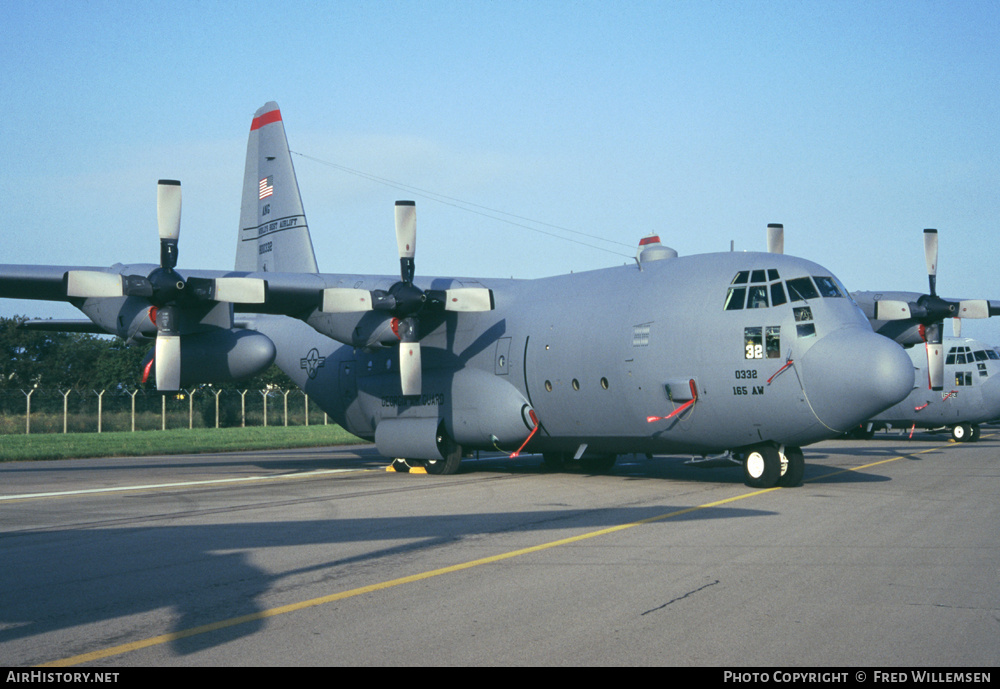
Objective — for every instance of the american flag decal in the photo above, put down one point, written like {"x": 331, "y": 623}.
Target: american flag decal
{"x": 266, "y": 188}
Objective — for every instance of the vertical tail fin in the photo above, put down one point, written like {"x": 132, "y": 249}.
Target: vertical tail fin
{"x": 274, "y": 236}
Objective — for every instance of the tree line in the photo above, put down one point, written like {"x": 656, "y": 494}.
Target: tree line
{"x": 57, "y": 360}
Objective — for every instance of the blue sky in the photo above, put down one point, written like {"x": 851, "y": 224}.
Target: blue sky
{"x": 856, "y": 124}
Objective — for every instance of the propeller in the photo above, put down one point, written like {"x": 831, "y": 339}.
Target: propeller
{"x": 406, "y": 302}
{"x": 930, "y": 311}
{"x": 167, "y": 292}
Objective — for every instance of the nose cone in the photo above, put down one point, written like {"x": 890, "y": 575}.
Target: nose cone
{"x": 852, "y": 374}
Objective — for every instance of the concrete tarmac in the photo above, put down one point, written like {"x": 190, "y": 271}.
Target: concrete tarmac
{"x": 887, "y": 556}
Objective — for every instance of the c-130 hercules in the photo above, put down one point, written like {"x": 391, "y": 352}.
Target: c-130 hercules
{"x": 756, "y": 354}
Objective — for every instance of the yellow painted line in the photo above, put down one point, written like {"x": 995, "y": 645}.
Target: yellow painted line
{"x": 875, "y": 464}
{"x": 392, "y": 583}
{"x": 323, "y": 600}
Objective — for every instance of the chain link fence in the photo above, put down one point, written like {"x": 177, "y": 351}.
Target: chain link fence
{"x": 40, "y": 410}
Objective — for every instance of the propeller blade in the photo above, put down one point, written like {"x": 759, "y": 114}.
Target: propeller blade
{"x": 775, "y": 238}
{"x": 956, "y": 326}
{"x": 168, "y": 362}
{"x": 406, "y": 237}
{"x": 892, "y": 310}
{"x": 93, "y": 283}
{"x": 346, "y": 300}
{"x": 410, "y": 374}
{"x": 935, "y": 366}
{"x": 974, "y": 308}
{"x": 168, "y": 208}
{"x": 468, "y": 299}
{"x": 168, "y": 220}
{"x": 240, "y": 290}
{"x": 931, "y": 257}
{"x": 167, "y": 357}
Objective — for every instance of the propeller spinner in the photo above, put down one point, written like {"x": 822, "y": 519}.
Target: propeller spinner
{"x": 405, "y": 301}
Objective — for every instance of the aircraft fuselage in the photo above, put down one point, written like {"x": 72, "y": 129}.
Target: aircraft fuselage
{"x": 592, "y": 368}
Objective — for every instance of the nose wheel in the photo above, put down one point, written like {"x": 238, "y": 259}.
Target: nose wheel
{"x": 965, "y": 432}
{"x": 766, "y": 466}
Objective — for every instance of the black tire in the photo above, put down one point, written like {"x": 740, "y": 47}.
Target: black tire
{"x": 762, "y": 466}
{"x": 794, "y": 468}
{"x": 976, "y": 432}
{"x": 961, "y": 433}
{"x": 452, "y": 453}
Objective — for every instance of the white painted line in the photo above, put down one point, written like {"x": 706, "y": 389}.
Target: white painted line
{"x": 182, "y": 484}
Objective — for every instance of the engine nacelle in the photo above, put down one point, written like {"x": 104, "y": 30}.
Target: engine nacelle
{"x": 222, "y": 356}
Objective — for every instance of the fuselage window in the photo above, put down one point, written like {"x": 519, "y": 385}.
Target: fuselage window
{"x": 963, "y": 378}
{"x": 772, "y": 341}
{"x": 805, "y": 329}
{"x": 753, "y": 343}
{"x": 801, "y": 289}
{"x": 802, "y": 313}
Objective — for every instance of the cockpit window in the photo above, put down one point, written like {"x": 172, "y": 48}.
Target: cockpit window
{"x": 757, "y": 298}
{"x": 735, "y": 298}
{"x": 827, "y": 287}
{"x": 801, "y": 289}
{"x": 778, "y": 294}
{"x": 751, "y": 290}
{"x": 980, "y": 355}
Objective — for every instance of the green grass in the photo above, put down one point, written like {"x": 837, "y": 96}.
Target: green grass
{"x": 183, "y": 441}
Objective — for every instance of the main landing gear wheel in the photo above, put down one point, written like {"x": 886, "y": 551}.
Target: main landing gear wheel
{"x": 962, "y": 433}
{"x": 793, "y": 467}
{"x": 400, "y": 466}
{"x": 976, "y": 432}
{"x": 762, "y": 466}
{"x": 452, "y": 453}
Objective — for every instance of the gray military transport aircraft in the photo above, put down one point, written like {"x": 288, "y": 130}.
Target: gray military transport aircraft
{"x": 911, "y": 319}
{"x": 970, "y": 397}
{"x": 751, "y": 354}
{"x": 956, "y": 385}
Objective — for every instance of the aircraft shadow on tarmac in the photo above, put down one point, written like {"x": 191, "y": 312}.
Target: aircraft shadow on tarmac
{"x": 205, "y": 573}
